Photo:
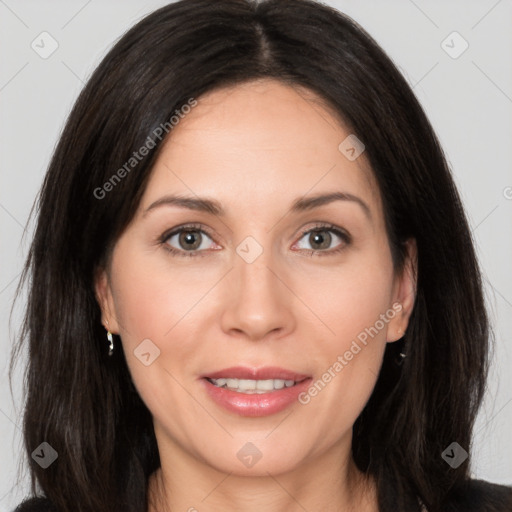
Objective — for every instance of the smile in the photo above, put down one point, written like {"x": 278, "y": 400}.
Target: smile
{"x": 254, "y": 392}
{"x": 251, "y": 386}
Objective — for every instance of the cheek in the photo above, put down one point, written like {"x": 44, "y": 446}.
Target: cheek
{"x": 349, "y": 298}
{"x": 160, "y": 302}
{"x": 151, "y": 295}
{"x": 354, "y": 303}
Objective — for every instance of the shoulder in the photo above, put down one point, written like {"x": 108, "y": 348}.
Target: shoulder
{"x": 481, "y": 496}
{"x": 36, "y": 505}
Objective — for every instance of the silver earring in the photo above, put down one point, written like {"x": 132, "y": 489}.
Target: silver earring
{"x": 403, "y": 355}
{"x": 400, "y": 359}
{"x": 110, "y": 343}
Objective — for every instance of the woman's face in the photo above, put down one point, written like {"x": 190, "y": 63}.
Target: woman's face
{"x": 243, "y": 288}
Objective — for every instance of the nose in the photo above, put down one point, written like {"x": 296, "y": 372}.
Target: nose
{"x": 259, "y": 301}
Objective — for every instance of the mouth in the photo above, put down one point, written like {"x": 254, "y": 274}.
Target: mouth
{"x": 255, "y": 392}
{"x": 251, "y": 386}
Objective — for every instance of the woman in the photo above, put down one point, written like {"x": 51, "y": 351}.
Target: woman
{"x": 252, "y": 280}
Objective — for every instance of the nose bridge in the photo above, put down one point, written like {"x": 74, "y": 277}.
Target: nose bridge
{"x": 258, "y": 303}
{"x": 255, "y": 278}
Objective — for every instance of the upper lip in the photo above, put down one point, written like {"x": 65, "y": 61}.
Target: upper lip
{"x": 266, "y": 373}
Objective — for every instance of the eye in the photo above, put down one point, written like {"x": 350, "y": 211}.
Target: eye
{"x": 192, "y": 240}
{"x": 322, "y": 239}
{"x": 187, "y": 241}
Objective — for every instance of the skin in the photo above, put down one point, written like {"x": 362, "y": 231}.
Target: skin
{"x": 256, "y": 148}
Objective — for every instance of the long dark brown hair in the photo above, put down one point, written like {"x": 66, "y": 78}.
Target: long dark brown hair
{"x": 84, "y": 404}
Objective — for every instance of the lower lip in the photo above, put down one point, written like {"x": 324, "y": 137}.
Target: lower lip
{"x": 254, "y": 405}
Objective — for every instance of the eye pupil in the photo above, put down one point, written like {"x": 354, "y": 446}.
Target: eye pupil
{"x": 187, "y": 241}
{"x": 318, "y": 238}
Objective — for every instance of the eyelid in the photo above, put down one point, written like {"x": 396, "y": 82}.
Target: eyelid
{"x": 185, "y": 227}
{"x": 341, "y": 233}
{"x": 327, "y": 226}
{"x": 163, "y": 239}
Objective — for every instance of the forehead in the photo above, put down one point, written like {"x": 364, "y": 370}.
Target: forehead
{"x": 260, "y": 142}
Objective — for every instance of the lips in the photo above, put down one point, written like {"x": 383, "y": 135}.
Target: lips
{"x": 287, "y": 385}
{"x": 266, "y": 373}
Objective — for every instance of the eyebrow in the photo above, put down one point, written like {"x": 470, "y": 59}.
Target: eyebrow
{"x": 213, "y": 207}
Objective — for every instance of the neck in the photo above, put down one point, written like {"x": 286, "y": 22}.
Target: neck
{"x": 188, "y": 484}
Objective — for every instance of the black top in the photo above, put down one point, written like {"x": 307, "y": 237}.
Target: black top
{"x": 478, "y": 496}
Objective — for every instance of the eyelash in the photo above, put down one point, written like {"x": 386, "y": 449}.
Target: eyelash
{"x": 343, "y": 235}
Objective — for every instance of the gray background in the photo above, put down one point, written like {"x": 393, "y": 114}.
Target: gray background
{"x": 468, "y": 100}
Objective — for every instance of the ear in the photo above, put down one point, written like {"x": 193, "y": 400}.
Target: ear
{"x": 103, "y": 291}
{"x": 404, "y": 293}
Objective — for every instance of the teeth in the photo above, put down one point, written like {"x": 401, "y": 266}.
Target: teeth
{"x": 250, "y": 386}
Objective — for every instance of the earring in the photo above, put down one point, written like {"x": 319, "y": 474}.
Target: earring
{"x": 111, "y": 343}
{"x": 400, "y": 359}
{"x": 402, "y": 355}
